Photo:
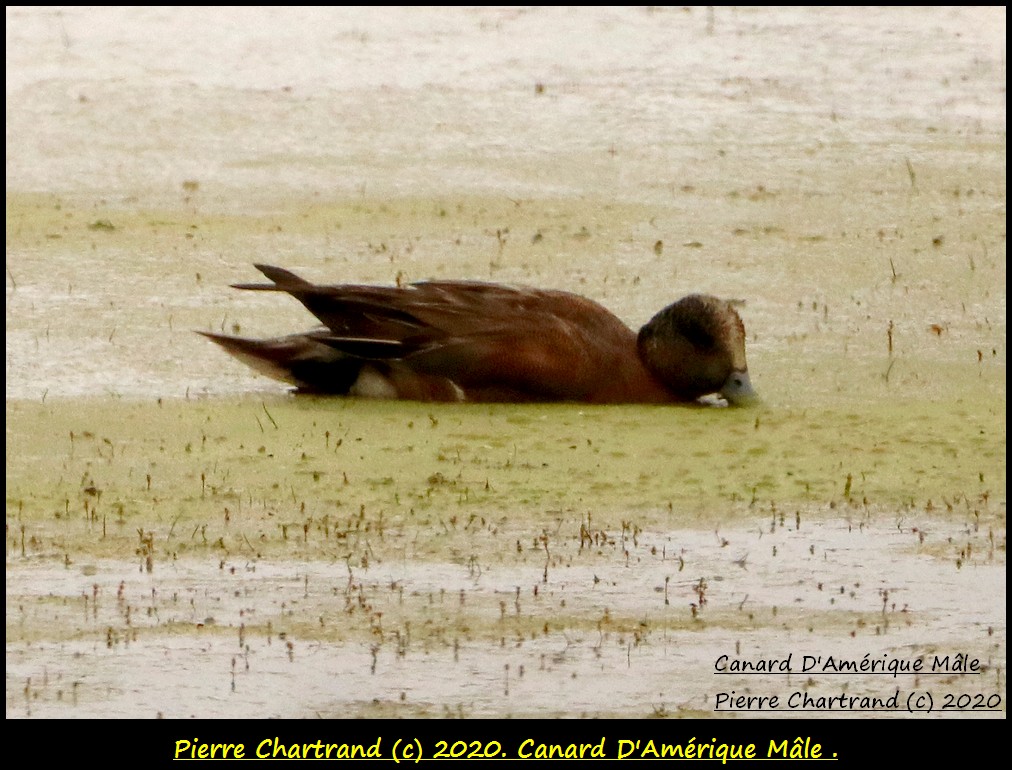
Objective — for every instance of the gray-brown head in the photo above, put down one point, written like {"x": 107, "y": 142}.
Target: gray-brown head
{"x": 696, "y": 347}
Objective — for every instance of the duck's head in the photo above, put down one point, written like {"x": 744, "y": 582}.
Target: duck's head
{"x": 696, "y": 347}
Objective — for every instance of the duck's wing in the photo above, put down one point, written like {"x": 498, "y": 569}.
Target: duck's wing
{"x": 428, "y": 309}
{"x": 492, "y": 342}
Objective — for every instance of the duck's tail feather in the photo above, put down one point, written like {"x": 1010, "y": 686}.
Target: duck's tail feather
{"x": 302, "y": 360}
{"x": 283, "y": 280}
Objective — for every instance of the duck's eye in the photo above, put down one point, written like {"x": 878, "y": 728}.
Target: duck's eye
{"x": 737, "y": 381}
{"x": 698, "y": 336}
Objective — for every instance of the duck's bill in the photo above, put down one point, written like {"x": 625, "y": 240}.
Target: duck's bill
{"x": 738, "y": 391}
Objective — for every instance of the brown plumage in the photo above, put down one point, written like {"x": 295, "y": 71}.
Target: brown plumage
{"x": 471, "y": 341}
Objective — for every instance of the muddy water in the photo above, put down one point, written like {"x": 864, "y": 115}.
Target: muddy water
{"x": 184, "y": 538}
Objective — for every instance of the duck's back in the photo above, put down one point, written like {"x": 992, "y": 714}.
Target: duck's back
{"x": 485, "y": 342}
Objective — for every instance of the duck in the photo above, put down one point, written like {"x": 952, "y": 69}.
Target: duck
{"x": 472, "y": 341}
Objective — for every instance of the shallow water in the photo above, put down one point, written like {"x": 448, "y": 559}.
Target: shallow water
{"x": 253, "y": 639}
{"x": 840, "y": 171}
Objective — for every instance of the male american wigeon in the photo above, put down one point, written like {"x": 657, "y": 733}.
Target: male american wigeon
{"x": 472, "y": 341}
